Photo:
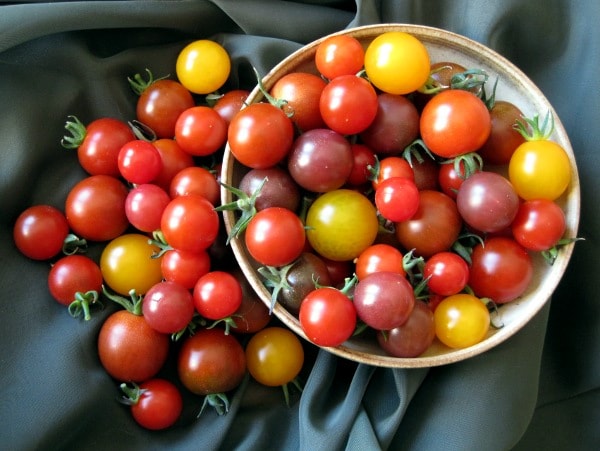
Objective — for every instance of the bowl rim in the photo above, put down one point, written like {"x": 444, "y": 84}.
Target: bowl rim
{"x": 475, "y": 50}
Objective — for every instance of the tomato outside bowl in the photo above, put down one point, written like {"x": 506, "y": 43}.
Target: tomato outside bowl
{"x": 513, "y": 86}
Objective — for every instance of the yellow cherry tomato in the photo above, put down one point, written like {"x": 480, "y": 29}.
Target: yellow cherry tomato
{"x": 127, "y": 264}
{"x": 461, "y": 320}
{"x": 539, "y": 169}
{"x": 397, "y": 62}
{"x": 274, "y": 356}
{"x": 203, "y": 66}
{"x": 341, "y": 224}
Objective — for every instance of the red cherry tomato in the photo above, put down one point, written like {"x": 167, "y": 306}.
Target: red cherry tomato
{"x": 168, "y": 307}
{"x": 397, "y": 199}
{"x": 71, "y": 275}
{"x": 339, "y": 55}
{"x": 200, "y": 131}
{"x": 158, "y": 404}
{"x": 217, "y": 295}
{"x": 447, "y": 273}
{"x": 539, "y": 224}
{"x": 40, "y": 231}
{"x": 139, "y": 162}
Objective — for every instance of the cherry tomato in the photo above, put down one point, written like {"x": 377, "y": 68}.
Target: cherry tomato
{"x": 275, "y": 236}
{"x": 397, "y": 62}
{"x": 40, "y": 231}
{"x": 539, "y": 169}
{"x": 129, "y": 349}
{"x": 73, "y": 274}
{"x": 160, "y": 104}
{"x": 487, "y": 201}
{"x": 211, "y": 362}
{"x": 203, "y": 66}
{"x": 168, "y": 307}
{"x": 412, "y": 338}
{"x": 127, "y": 264}
{"x": 200, "y": 131}
{"x": 95, "y": 208}
{"x": 184, "y": 268}
{"x": 277, "y": 188}
{"x": 98, "y": 144}
{"x": 447, "y": 273}
{"x": 256, "y": 128}
{"x": 379, "y": 257}
{"x": 190, "y": 223}
{"x": 348, "y": 104}
{"x": 139, "y": 162}
{"x": 230, "y": 103}
{"x": 157, "y": 404}
{"x": 384, "y": 300}
{"x": 327, "y": 316}
{"x": 341, "y": 224}
{"x": 461, "y": 320}
{"x": 503, "y": 139}
{"x": 392, "y": 167}
{"x": 301, "y": 91}
{"x": 500, "y": 269}
{"x": 173, "y": 158}
{"x": 364, "y": 158}
{"x": 539, "y": 224}
{"x": 274, "y": 356}
{"x": 217, "y": 295}
{"x": 339, "y": 55}
{"x": 449, "y": 179}
{"x": 252, "y": 315}
{"x": 195, "y": 180}
{"x": 397, "y": 198}
{"x": 433, "y": 228}
{"x": 455, "y": 122}
{"x": 144, "y": 206}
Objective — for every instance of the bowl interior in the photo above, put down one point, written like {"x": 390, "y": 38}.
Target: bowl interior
{"x": 513, "y": 86}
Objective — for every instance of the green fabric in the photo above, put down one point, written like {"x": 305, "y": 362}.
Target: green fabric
{"x": 538, "y": 390}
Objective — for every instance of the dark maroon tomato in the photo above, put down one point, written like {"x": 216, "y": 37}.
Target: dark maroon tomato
{"x": 338, "y": 271}
{"x": 487, "y": 201}
{"x": 139, "y": 162}
{"x": 211, "y": 362}
{"x": 98, "y": 144}
{"x": 230, "y": 103}
{"x": 426, "y": 173}
{"x": 160, "y": 104}
{"x": 183, "y": 267}
{"x": 174, "y": 159}
{"x": 412, "y": 338}
{"x": 503, "y": 139}
{"x": 321, "y": 160}
{"x": 40, "y": 231}
{"x": 500, "y": 269}
{"x": 395, "y": 126}
{"x": 433, "y": 228}
{"x": 364, "y": 159}
{"x": 301, "y": 277}
{"x": 302, "y": 92}
{"x": 384, "y": 300}
{"x": 144, "y": 206}
{"x": 157, "y": 405}
{"x": 129, "y": 349}
{"x": 279, "y": 189}
{"x": 71, "y": 275}
{"x": 95, "y": 208}
{"x": 252, "y": 315}
{"x": 168, "y": 307}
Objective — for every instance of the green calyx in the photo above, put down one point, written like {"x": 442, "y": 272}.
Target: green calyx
{"x": 82, "y": 304}
{"x": 132, "y": 305}
{"x": 532, "y": 130}
{"x": 138, "y": 84}
{"x": 76, "y": 133}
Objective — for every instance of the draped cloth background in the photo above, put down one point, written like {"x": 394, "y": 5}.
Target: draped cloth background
{"x": 539, "y": 390}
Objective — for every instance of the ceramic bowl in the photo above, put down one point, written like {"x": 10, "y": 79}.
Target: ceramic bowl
{"x": 515, "y": 87}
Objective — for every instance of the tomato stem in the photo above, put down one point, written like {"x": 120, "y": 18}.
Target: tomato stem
{"x": 77, "y": 132}
{"x": 276, "y": 280}
{"x": 132, "y": 393}
{"x": 73, "y": 244}
{"x": 218, "y": 401}
{"x": 132, "y": 305}
{"x": 139, "y": 85}
{"x": 279, "y": 103}
{"x": 532, "y": 130}
{"x": 82, "y": 304}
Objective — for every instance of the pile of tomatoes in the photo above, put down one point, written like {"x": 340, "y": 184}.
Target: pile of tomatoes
{"x": 365, "y": 203}
{"x": 147, "y": 206}
{"x": 390, "y": 195}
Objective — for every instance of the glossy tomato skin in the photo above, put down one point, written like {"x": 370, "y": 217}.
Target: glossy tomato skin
{"x": 160, "y": 104}
{"x": 433, "y": 228}
{"x": 40, "y": 231}
{"x": 252, "y": 315}
{"x": 301, "y": 91}
{"x": 348, "y": 104}
{"x": 257, "y": 127}
{"x": 127, "y": 264}
{"x": 230, "y": 103}
{"x": 129, "y": 349}
{"x": 217, "y": 295}
{"x": 379, "y": 257}
{"x": 211, "y": 362}
{"x": 327, "y": 316}
{"x": 95, "y": 208}
{"x": 274, "y": 356}
{"x": 539, "y": 224}
{"x": 98, "y": 152}
{"x": 447, "y": 273}
{"x": 450, "y": 179}
{"x": 392, "y": 166}
{"x": 168, "y": 307}
{"x": 195, "y": 180}
{"x": 144, "y": 206}
{"x": 190, "y": 223}
{"x": 203, "y": 66}
{"x": 384, "y": 300}
{"x": 339, "y": 55}
{"x": 500, "y": 270}
{"x": 200, "y": 131}
{"x": 139, "y": 161}
{"x": 455, "y": 122}
{"x": 173, "y": 158}
{"x": 503, "y": 139}
{"x": 159, "y": 405}
{"x": 364, "y": 159}
{"x": 412, "y": 338}
{"x": 184, "y": 268}
{"x": 397, "y": 198}
{"x": 73, "y": 274}
{"x": 487, "y": 201}
{"x": 279, "y": 189}
{"x": 461, "y": 320}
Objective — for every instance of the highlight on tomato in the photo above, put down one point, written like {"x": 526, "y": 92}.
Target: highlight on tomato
{"x": 203, "y": 66}
{"x": 461, "y": 320}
